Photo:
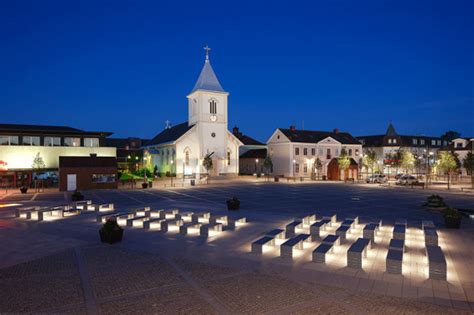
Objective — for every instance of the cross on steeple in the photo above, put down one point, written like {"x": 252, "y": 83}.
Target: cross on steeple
{"x": 207, "y": 49}
{"x": 168, "y": 124}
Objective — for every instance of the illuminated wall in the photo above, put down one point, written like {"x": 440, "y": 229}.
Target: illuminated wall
{"x": 21, "y": 157}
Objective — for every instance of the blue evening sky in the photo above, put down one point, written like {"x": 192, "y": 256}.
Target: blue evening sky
{"x": 127, "y": 66}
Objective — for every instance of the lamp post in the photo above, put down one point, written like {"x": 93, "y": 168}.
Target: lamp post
{"x": 171, "y": 172}
{"x": 294, "y": 171}
{"x": 256, "y": 167}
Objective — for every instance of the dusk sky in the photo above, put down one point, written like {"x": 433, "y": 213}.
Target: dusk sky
{"x": 127, "y": 66}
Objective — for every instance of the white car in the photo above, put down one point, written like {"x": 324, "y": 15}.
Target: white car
{"x": 377, "y": 178}
{"x": 407, "y": 180}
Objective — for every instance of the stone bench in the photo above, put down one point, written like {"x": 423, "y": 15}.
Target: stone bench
{"x": 342, "y": 231}
{"x": 316, "y": 228}
{"x": 394, "y": 261}
{"x": 319, "y": 254}
{"x": 145, "y": 211}
{"x": 370, "y": 231}
{"x": 428, "y": 224}
{"x": 276, "y": 233}
{"x": 234, "y": 222}
{"x": 286, "y": 249}
{"x": 357, "y": 252}
{"x": 211, "y": 227}
{"x": 399, "y": 231}
{"x": 153, "y": 223}
{"x": 104, "y": 207}
{"x": 219, "y": 219}
{"x": 257, "y": 246}
{"x": 307, "y": 219}
{"x": 332, "y": 218}
{"x": 200, "y": 217}
{"x": 397, "y": 244}
{"x": 21, "y": 212}
{"x": 184, "y": 229}
{"x": 332, "y": 239}
{"x": 431, "y": 236}
{"x": 354, "y": 218}
{"x": 137, "y": 221}
{"x": 291, "y": 228}
{"x": 436, "y": 263}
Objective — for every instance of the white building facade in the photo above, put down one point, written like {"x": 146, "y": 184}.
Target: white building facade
{"x": 296, "y": 153}
{"x": 181, "y": 149}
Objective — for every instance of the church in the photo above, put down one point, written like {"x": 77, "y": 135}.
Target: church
{"x": 181, "y": 149}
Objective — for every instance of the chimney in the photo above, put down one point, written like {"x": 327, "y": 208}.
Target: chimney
{"x": 336, "y": 131}
{"x": 292, "y": 128}
{"x": 235, "y": 131}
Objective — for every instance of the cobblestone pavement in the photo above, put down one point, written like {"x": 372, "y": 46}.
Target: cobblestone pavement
{"x": 132, "y": 282}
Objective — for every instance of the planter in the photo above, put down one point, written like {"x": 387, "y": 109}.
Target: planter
{"x": 24, "y": 189}
{"x": 111, "y": 237}
{"x": 144, "y": 185}
{"x": 452, "y": 222}
{"x": 233, "y": 204}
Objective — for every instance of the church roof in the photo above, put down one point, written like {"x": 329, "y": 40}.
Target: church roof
{"x": 254, "y": 154}
{"x": 170, "y": 134}
{"x": 309, "y": 136}
{"x": 207, "y": 79}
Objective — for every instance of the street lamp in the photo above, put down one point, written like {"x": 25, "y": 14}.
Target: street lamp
{"x": 256, "y": 167}
{"x": 294, "y": 170}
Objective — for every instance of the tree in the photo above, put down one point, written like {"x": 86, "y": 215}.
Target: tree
{"x": 344, "y": 162}
{"x": 370, "y": 160}
{"x": 38, "y": 163}
{"x": 268, "y": 165}
{"x": 450, "y": 135}
{"x": 468, "y": 164}
{"x": 207, "y": 163}
{"x": 447, "y": 164}
{"x": 407, "y": 160}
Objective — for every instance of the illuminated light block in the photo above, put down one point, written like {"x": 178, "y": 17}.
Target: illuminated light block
{"x": 286, "y": 249}
{"x": 394, "y": 261}
{"x": 257, "y": 246}
{"x": 207, "y": 229}
{"x": 276, "y": 233}
{"x": 319, "y": 254}
{"x": 316, "y": 228}
{"x": 185, "y": 228}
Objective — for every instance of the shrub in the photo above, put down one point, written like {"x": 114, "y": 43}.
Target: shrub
{"x": 233, "y": 203}
{"x": 77, "y": 196}
{"x": 111, "y": 232}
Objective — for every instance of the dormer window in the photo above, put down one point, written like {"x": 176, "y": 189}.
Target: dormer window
{"x": 213, "y": 107}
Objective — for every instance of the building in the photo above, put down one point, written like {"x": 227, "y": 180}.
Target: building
{"x": 129, "y": 152}
{"x": 462, "y": 146}
{"x": 87, "y": 172}
{"x": 29, "y": 152}
{"x": 181, "y": 149}
{"x": 422, "y": 147}
{"x": 313, "y": 154}
{"x": 252, "y": 153}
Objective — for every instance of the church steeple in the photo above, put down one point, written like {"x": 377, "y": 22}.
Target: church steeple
{"x": 207, "y": 80}
{"x": 391, "y": 130}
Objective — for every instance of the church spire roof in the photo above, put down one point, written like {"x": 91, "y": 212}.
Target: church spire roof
{"x": 391, "y": 130}
{"x": 207, "y": 79}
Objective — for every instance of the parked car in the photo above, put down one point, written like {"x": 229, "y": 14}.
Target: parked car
{"x": 407, "y": 180}
{"x": 377, "y": 178}
{"x": 399, "y": 175}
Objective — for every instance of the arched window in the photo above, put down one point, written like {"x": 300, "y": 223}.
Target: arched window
{"x": 186, "y": 158}
{"x": 213, "y": 107}
{"x": 228, "y": 157}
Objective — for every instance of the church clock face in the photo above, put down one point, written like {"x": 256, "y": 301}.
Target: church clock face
{"x": 213, "y": 118}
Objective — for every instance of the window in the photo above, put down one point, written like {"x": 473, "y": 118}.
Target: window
{"x": 305, "y": 151}
{"x": 297, "y": 151}
{"x": 9, "y": 140}
{"x": 72, "y": 142}
{"x": 350, "y": 152}
{"x": 28, "y": 140}
{"x": 186, "y": 158}
{"x": 297, "y": 168}
{"x": 103, "y": 178}
{"x": 213, "y": 107}
{"x": 459, "y": 145}
{"x": 328, "y": 153}
{"x": 337, "y": 152}
{"x": 439, "y": 142}
{"x": 394, "y": 141}
{"x": 228, "y": 157}
{"x": 433, "y": 142}
{"x": 422, "y": 141}
{"x": 52, "y": 141}
{"x": 357, "y": 152}
{"x": 305, "y": 168}
{"x": 445, "y": 143}
{"x": 313, "y": 151}
{"x": 415, "y": 141}
{"x": 91, "y": 142}
{"x": 390, "y": 141}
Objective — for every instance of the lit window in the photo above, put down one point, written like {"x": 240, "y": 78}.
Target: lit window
{"x": 72, "y": 142}
{"x": 415, "y": 141}
{"x": 9, "y": 140}
{"x": 52, "y": 141}
{"x": 394, "y": 141}
{"x": 103, "y": 178}
{"x": 433, "y": 142}
{"x": 422, "y": 141}
{"x": 29, "y": 140}
{"x": 439, "y": 142}
{"x": 91, "y": 142}
{"x": 390, "y": 141}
